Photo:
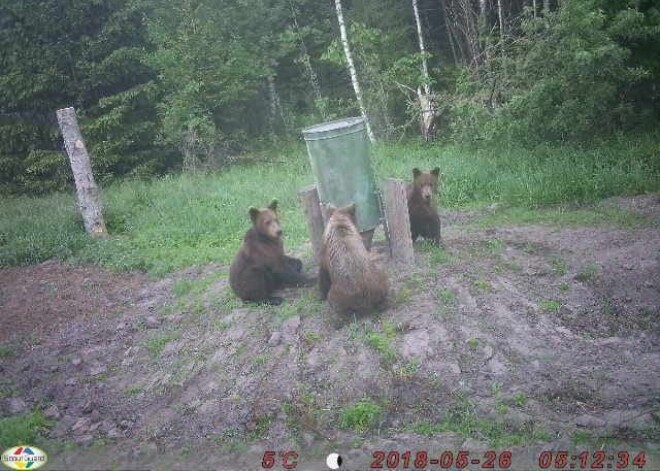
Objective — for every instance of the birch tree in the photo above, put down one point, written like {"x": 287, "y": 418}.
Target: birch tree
{"x": 500, "y": 17}
{"x": 351, "y": 69}
{"x": 424, "y": 93}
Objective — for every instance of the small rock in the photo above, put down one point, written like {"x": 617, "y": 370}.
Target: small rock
{"x": 62, "y": 427}
{"x": 95, "y": 426}
{"x": 17, "y": 405}
{"x": 97, "y": 370}
{"x": 52, "y": 412}
{"x": 648, "y": 284}
{"x": 114, "y": 433}
{"x": 627, "y": 266}
{"x": 308, "y": 439}
{"x": 275, "y": 339}
{"x": 54, "y": 368}
{"x": 152, "y": 322}
{"x": 125, "y": 424}
{"x": 474, "y": 445}
{"x": 589, "y": 421}
{"x": 87, "y": 407}
{"x": 121, "y": 326}
{"x": 77, "y": 361}
{"x": 81, "y": 426}
{"x": 71, "y": 382}
{"x": 84, "y": 439}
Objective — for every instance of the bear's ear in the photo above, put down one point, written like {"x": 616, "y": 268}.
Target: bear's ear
{"x": 436, "y": 172}
{"x": 329, "y": 210}
{"x": 254, "y": 214}
{"x": 273, "y": 205}
{"x": 416, "y": 172}
{"x": 350, "y": 209}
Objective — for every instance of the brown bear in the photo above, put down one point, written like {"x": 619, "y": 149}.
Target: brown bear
{"x": 348, "y": 278}
{"x": 260, "y": 266}
{"x": 424, "y": 219}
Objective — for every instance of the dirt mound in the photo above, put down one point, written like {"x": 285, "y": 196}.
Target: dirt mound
{"x": 529, "y": 336}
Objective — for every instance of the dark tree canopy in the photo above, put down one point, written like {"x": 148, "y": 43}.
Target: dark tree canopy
{"x": 161, "y": 85}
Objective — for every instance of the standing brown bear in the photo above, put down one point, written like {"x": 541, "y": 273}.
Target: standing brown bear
{"x": 348, "y": 277}
{"x": 260, "y": 266}
{"x": 424, "y": 219}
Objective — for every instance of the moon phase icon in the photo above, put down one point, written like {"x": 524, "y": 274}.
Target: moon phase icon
{"x": 333, "y": 461}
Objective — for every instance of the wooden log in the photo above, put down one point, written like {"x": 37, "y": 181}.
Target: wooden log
{"x": 86, "y": 189}
{"x": 309, "y": 199}
{"x": 398, "y": 221}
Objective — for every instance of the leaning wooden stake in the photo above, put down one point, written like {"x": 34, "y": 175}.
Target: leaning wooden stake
{"x": 398, "y": 221}
{"x": 88, "y": 193}
{"x": 309, "y": 198}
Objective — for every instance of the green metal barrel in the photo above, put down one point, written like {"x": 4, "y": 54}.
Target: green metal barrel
{"x": 339, "y": 154}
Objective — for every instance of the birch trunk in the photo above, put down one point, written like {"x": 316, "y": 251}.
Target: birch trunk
{"x": 534, "y": 7}
{"x": 424, "y": 93}
{"x": 311, "y": 74}
{"x": 351, "y": 69}
{"x": 86, "y": 189}
{"x": 500, "y": 18}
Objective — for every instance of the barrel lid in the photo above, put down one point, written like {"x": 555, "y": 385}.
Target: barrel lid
{"x": 334, "y": 128}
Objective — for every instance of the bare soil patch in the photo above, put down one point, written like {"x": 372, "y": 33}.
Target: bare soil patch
{"x": 538, "y": 332}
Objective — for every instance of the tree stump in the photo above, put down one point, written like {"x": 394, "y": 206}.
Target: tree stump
{"x": 398, "y": 221}
{"x": 309, "y": 199}
{"x": 86, "y": 190}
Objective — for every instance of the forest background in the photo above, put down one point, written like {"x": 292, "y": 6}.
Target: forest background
{"x": 164, "y": 86}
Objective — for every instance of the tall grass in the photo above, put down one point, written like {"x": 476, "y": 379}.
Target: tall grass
{"x": 177, "y": 221}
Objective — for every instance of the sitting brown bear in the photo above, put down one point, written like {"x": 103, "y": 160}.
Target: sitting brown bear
{"x": 348, "y": 277}
{"x": 424, "y": 219}
{"x": 260, "y": 266}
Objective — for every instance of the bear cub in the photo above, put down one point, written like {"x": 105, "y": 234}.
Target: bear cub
{"x": 260, "y": 266}
{"x": 348, "y": 277}
{"x": 424, "y": 219}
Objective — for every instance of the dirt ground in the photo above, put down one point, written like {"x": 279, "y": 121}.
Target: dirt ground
{"x": 542, "y": 332}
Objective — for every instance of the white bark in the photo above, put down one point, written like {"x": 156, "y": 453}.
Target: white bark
{"x": 534, "y": 7}
{"x": 482, "y": 9}
{"x": 500, "y": 16}
{"x": 546, "y": 7}
{"x": 424, "y": 94}
{"x": 351, "y": 69}
{"x": 311, "y": 74}
{"x": 86, "y": 189}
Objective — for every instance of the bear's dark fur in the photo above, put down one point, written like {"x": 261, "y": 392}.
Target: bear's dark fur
{"x": 348, "y": 277}
{"x": 260, "y": 266}
{"x": 424, "y": 219}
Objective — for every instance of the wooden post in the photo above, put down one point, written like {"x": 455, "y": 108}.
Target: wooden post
{"x": 88, "y": 194}
{"x": 398, "y": 221}
{"x": 309, "y": 198}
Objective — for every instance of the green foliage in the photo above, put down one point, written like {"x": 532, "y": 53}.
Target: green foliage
{"x": 73, "y": 53}
{"x": 23, "y": 429}
{"x": 361, "y": 416}
{"x": 177, "y": 221}
{"x": 569, "y": 76}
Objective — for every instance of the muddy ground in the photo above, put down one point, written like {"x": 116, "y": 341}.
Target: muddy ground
{"x": 519, "y": 338}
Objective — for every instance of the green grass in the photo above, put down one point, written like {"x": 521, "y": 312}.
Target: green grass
{"x": 461, "y": 418}
{"x": 361, "y": 416}
{"x": 178, "y": 221}
{"x": 551, "y": 305}
{"x": 381, "y": 343}
{"x": 6, "y": 352}
{"x": 24, "y": 429}
{"x": 155, "y": 345}
{"x": 588, "y": 273}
